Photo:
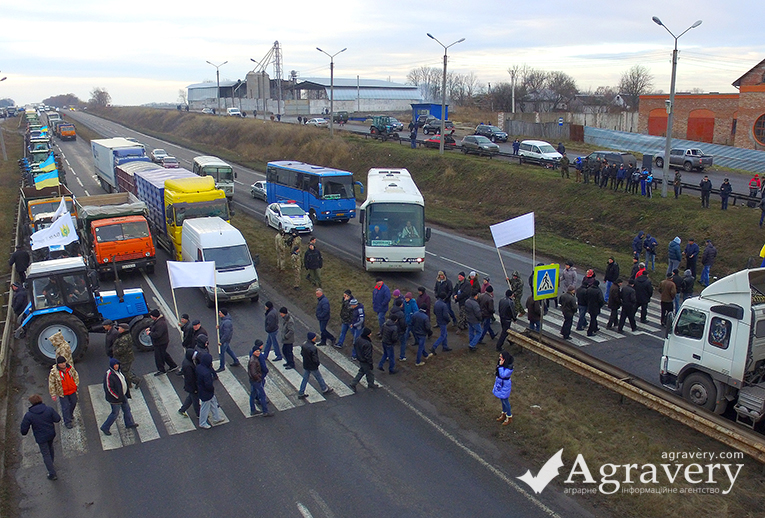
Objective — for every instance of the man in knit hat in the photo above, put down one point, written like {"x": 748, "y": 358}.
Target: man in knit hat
{"x": 117, "y": 391}
{"x": 311, "y": 363}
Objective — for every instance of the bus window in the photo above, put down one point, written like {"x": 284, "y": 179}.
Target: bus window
{"x": 338, "y": 187}
{"x": 311, "y": 184}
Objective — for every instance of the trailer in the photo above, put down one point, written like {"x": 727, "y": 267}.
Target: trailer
{"x": 112, "y": 152}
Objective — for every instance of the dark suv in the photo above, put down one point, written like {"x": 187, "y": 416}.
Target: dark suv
{"x": 434, "y": 127}
{"x": 493, "y": 133}
{"x": 613, "y": 157}
{"x": 479, "y": 145}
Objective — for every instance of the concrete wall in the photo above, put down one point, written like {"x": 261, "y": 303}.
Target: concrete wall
{"x": 624, "y": 121}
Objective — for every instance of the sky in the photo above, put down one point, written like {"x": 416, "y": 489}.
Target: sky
{"x": 144, "y": 52}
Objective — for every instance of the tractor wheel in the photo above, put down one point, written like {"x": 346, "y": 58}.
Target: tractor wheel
{"x": 43, "y": 328}
{"x": 141, "y": 340}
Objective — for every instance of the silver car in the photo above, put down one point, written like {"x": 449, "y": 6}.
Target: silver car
{"x": 258, "y": 190}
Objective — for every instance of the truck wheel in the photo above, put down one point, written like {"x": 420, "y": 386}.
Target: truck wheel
{"x": 699, "y": 389}
{"x": 659, "y": 162}
{"x": 688, "y": 167}
{"x": 43, "y": 328}
{"x": 141, "y": 340}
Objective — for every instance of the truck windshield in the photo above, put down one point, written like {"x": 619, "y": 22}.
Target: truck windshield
{"x": 337, "y": 187}
{"x": 201, "y": 209}
{"x": 395, "y": 224}
{"x": 229, "y": 257}
{"x": 122, "y": 231}
{"x": 49, "y": 206}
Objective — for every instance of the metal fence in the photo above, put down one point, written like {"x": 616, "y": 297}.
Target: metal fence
{"x": 725, "y": 156}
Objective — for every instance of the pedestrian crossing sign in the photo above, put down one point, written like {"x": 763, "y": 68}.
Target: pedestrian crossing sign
{"x": 546, "y": 281}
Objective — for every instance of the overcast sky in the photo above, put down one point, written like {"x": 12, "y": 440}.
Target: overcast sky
{"x": 143, "y": 51}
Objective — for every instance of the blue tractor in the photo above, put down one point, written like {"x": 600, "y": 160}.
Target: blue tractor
{"x": 65, "y": 297}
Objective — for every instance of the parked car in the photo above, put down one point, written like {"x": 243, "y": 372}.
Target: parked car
{"x": 424, "y": 119}
{"x": 613, "y": 157}
{"x": 207, "y": 111}
{"x": 288, "y": 216}
{"x": 258, "y": 190}
{"x": 318, "y": 122}
{"x": 396, "y": 124}
{"x": 233, "y": 112}
{"x": 170, "y": 162}
{"x": 493, "y": 133}
{"x": 435, "y": 142}
{"x": 479, "y": 145}
{"x": 539, "y": 152}
{"x": 157, "y": 155}
{"x": 340, "y": 117}
{"x": 687, "y": 158}
{"x": 435, "y": 127}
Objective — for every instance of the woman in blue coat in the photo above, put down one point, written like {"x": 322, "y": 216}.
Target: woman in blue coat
{"x": 503, "y": 385}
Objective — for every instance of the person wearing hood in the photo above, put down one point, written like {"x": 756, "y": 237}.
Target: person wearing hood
{"x": 637, "y": 245}
{"x": 689, "y": 281}
{"x": 20, "y": 300}
{"x": 410, "y": 308}
{"x": 257, "y": 382}
{"x": 650, "y": 245}
{"x": 503, "y": 386}
{"x": 206, "y": 390}
{"x": 311, "y": 364}
{"x": 63, "y": 382}
{"x": 189, "y": 372}
{"x": 364, "y": 350}
{"x": 444, "y": 286}
{"x": 117, "y": 392}
{"x": 42, "y": 419}
{"x": 674, "y": 254}
{"x": 595, "y": 302}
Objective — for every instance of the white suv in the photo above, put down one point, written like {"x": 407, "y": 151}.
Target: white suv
{"x": 539, "y": 151}
{"x": 233, "y": 112}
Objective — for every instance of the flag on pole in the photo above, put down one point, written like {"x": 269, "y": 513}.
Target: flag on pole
{"x": 513, "y": 230}
{"x": 50, "y": 179}
{"x": 191, "y": 275}
{"x": 61, "y": 210}
{"x": 45, "y": 165}
{"x": 61, "y": 232}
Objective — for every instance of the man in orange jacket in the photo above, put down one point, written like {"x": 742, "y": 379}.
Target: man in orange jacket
{"x": 63, "y": 382}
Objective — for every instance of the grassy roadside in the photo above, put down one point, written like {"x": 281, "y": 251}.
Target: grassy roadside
{"x": 9, "y": 191}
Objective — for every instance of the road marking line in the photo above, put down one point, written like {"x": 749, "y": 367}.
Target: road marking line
{"x": 344, "y": 363}
{"x": 73, "y": 442}
{"x": 79, "y": 181}
{"x": 141, "y": 415}
{"x": 235, "y": 389}
{"x": 322, "y": 504}
{"x": 166, "y": 399}
{"x": 303, "y": 510}
{"x": 169, "y": 315}
{"x": 333, "y": 382}
{"x": 102, "y": 409}
{"x": 430, "y": 253}
{"x": 86, "y": 193}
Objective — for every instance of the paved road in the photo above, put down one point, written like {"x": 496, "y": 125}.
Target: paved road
{"x": 371, "y": 453}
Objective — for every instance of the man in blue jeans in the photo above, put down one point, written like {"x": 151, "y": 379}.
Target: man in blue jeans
{"x": 257, "y": 377}
{"x": 707, "y": 260}
{"x": 473, "y": 314}
{"x": 390, "y": 333}
{"x": 311, "y": 363}
{"x": 380, "y": 302}
{"x": 117, "y": 391}
{"x": 322, "y": 315}
{"x": 226, "y": 334}
{"x": 272, "y": 330}
{"x": 441, "y": 311}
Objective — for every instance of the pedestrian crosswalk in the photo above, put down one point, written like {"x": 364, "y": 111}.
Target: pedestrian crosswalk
{"x": 164, "y": 395}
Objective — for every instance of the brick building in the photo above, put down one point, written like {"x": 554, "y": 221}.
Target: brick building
{"x": 733, "y": 119}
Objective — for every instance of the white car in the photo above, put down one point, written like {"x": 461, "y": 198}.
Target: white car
{"x": 207, "y": 111}
{"x": 170, "y": 162}
{"x": 288, "y": 216}
{"x": 318, "y": 122}
{"x": 233, "y": 112}
{"x": 157, "y": 155}
{"x": 540, "y": 152}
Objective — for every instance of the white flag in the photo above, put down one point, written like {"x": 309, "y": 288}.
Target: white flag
{"x": 513, "y": 230}
{"x": 191, "y": 275}
{"x": 61, "y": 232}
{"x": 61, "y": 210}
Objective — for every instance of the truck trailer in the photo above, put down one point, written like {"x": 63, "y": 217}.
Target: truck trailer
{"x": 112, "y": 152}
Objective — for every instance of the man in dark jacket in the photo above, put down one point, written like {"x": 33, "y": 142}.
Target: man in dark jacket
{"x": 420, "y": 325}
{"x": 257, "y": 382}
{"x": 357, "y": 321}
{"x": 677, "y": 279}
{"x": 226, "y": 327}
{"x": 187, "y": 332}
{"x": 322, "y": 315}
{"x": 581, "y": 304}
{"x": 637, "y": 244}
{"x": 288, "y": 338}
{"x": 345, "y": 319}
{"x": 20, "y": 259}
{"x": 196, "y": 330}
{"x": 206, "y": 390}
{"x": 650, "y": 245}
{"x": 20, "y": 300}
{"x": 691, "y": 254}
{"x": 313, "y": 262}
{"x": 189, "y": 372}
{"x": 117, "y": 392}
{"x": 111, "y": 335}
{"x": 706, "y": 190}
{"x": 486, "y": 303}
{"x": 568, "y": 306}
{"x": 42, "y": 418}
{"x": 534, "y": 310}
{"x": 160, "y": 339}
{"x": 629, "y": 306}
{"x": 423, "y": 302}
{"x": 707, "y": 260}
{"x": 595, "y": 302}
{"x": 444, "y": 286}
{"x": 461, "y": 293}
{"x": 614, "y": 303}
{"x": 311, "y": 364}
{"x": 643, "y": 293}
{"x": 272, "y": 330}
{"x": 363, "y": 347}
{"x": 389, "y": 340}
{"x": 473, "y": 317}
{"x": 725, "y": 190}
{"x": 380, "y": 302}
{"x": 507, "y": 315}
{"x": 612, "y": 273}
{"x": 441, "y": 311}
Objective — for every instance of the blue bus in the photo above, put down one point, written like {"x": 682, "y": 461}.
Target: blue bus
{"x": 325, "y": 194}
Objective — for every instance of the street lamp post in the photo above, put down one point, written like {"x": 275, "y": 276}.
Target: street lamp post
{"x": 671, "y": 105}
{"x": 443, "y": 91}
{"x": 331, "y": 88}
{"x": 217, "y": 76}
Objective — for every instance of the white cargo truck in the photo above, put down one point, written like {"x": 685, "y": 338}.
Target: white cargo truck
{"x": 109, "y": 153}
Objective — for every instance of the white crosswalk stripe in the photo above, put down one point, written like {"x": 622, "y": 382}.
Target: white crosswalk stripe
{"x": 163, "y": 391}
{"x": 235, "y": 389}
{"x": 344, "y": 363}
{"x": 120, "y": 436}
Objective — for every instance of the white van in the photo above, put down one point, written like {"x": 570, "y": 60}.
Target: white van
{"x": 540, "y": 152}
{"x": 233, "y": 112}
{"x": 213, "y": 239}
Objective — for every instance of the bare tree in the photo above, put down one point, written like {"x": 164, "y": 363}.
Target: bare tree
{"x": 635, "y": 82}
{"x": 182, "y": 96}
{"x": 561, "y": 89}
{"x": 100, "y": 97}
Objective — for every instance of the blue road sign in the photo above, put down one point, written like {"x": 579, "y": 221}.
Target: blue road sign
{"x": 546, "y": 281}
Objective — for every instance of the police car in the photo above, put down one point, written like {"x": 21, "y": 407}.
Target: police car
{"x": 288, "y": 216}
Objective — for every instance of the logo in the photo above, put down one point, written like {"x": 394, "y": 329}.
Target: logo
{"x": 65, "y": 230}
{"x": 671, "y": 476}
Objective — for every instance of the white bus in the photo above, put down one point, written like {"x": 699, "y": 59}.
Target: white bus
{"x": 393, "y": 222}
{"x": 221, "y": 172}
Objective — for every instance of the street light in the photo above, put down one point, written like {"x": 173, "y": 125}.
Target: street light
{"x": 671, "y": 105}
{"x": 331, "y": 88}
{"x": 443, "y": 91}
{"x": 217, "y": 75}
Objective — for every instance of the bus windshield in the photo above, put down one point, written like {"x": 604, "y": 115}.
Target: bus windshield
{"x": 395, "y": 224}
{"x": 337, "y": 187}
{"x": 201, "y": 209}
{"x": 219, "y": 174}
{"x": 229, "y": 257}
